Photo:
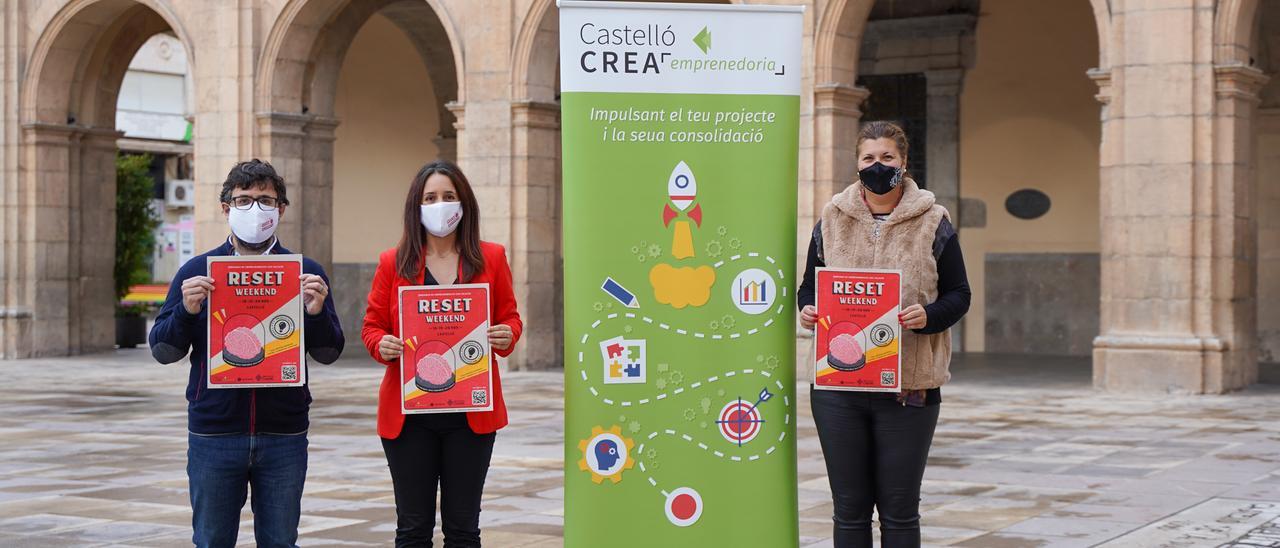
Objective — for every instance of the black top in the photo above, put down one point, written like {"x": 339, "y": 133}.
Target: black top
{"x": 428, "y": 279}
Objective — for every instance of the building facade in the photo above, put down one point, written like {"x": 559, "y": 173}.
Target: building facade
{"x": 1113, "y": 165}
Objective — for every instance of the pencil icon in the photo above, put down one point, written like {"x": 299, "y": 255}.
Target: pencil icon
{"x": 615, "y": 290}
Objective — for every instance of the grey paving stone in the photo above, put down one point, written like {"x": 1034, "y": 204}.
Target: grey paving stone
{"x": 1021, "y": 458}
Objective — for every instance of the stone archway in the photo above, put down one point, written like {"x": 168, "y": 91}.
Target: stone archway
{"x": 297, "y": 88}
{"x": 1179, "y": 310}
{"x": 841, "y": 29}
{"x": 535, "y": 185}
{"x": 844, "y": 29}
{"x": 1246, "y": 61}
{"x": 58, "y": 258}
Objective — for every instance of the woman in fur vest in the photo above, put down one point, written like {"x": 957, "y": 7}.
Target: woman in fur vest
{"x": 875, "y": 443}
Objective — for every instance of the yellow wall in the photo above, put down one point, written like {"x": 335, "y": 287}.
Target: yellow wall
{"x": 1028, "y": 119}
{"x": 387, "y": 131}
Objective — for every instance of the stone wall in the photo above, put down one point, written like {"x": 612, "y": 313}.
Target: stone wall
{"x": 1041, "y": 303}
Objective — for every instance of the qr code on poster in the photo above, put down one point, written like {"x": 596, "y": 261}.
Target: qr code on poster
{"x": 888, "y": 378}
{"x": 288, "y": 372}
{"x": 479, "y": 396}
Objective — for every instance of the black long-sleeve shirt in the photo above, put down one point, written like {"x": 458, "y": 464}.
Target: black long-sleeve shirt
{"x": 953, "y": 282}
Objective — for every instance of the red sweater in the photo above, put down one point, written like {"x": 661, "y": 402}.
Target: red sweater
{"x": 380, "y": 319}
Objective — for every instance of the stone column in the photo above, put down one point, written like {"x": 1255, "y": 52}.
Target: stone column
{"x": 836, "y": 116}
{"x": 457, "y": 152}
{"x": 300, "y": 147}
{"x": 535, "y": 231}
{"x": 943, "y": 137}
{"x": 92, "y": 307}
{"x": 37, "y": 320}
{"x": 1177, "y": 268}
{"x": 836, "y": 112}
{"x": 282, "y": 138}
{"x": 315, "y": 219}
{"x": 1233, "y": 300}
{"x": 447, "y": 147}
{"x": 62, "y": 290}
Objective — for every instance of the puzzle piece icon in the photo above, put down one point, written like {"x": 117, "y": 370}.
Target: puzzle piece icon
{"x": 616, "y": 350}
{"x": 632, "y": 370}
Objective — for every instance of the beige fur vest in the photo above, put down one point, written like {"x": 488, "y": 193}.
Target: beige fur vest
{"x": 905, "y": 243}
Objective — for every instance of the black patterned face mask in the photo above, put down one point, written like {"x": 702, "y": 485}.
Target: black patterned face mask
{"x": 879, "y": 178}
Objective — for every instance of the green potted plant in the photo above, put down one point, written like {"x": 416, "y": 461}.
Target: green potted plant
{"x": 135, "y": 243}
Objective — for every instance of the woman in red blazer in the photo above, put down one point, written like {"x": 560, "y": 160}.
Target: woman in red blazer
{"x": 440, "y": 245}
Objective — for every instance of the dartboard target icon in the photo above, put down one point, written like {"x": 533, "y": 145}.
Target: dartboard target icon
{"x": 739, "y": 421}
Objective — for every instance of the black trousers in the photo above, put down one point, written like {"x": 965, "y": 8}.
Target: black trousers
{"x": 875, "y": 449}
{"x": 438, "y": 448}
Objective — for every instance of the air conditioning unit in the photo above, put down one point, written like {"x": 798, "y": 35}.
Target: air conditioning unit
{"x": 179, "y": 193}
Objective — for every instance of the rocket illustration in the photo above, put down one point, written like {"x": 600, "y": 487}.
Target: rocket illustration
{"x": 682, "y": 189}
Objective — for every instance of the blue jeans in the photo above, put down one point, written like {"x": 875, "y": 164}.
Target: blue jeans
{"x": 221, "y": 471}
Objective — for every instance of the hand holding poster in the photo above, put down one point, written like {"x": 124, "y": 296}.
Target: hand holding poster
{"x": 858, "y": 334}
{"x": 445, "y": 366}
{"x": 255, "y": 322}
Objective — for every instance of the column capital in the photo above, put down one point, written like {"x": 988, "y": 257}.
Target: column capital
{"x": 49, "y": 134}
{"x": 42, "y": 133}
{"x": 282, "y": 124}
{"x": 1239, "y": 81}
{"x": 1101, "y": 77}
{"x": 840, "y": 99}
{"x": 101, "y": 138}
{"x": 321, "y": 128}
{"x": 459, "y": 109}
{"x": 535, "y": 114}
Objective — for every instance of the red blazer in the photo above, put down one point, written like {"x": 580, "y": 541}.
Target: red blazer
{"x": 380, "y": 318}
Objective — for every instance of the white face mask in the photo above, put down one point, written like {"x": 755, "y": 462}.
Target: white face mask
{"x": 253, "y": 225}
{"x": 441, "y": 218}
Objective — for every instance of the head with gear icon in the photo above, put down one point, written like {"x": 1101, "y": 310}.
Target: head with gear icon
{"x": 606, "y": 454}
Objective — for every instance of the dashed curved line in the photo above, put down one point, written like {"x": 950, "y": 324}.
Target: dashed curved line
{"x": 694, "y": 386}
{"x": 697, "y": 334}
{"x": 720, "y": 454}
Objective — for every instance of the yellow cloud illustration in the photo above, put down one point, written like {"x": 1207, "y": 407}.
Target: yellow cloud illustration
{"x": 681, "y": 287}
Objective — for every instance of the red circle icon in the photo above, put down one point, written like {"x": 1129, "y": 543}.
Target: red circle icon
{"x": 684, "y": 506}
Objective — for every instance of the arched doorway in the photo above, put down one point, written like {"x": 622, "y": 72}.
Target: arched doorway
{"x": 344, "y": 82}
{"x": 1030, "y": 143}
{"x": 963, "y": 75}
{"x": 535, "y": 186}
{"x": 58, "y": 259}
{"x": 1265, "y": 54}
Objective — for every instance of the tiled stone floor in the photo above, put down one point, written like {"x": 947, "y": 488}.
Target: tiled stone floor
{"x": 92, "y": 453}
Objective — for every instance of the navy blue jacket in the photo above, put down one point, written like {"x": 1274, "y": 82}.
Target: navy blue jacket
{"x": 238, "y": 410}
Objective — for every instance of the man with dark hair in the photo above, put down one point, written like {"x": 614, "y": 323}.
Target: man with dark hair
{"x": 242, "y": 439}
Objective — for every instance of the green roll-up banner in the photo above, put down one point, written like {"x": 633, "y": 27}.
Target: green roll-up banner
{"x": 680, "y": 128}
